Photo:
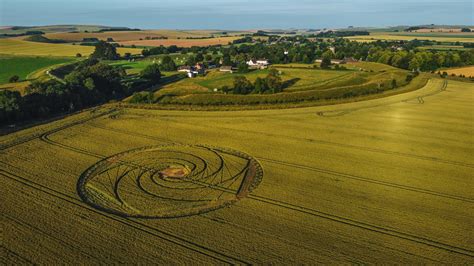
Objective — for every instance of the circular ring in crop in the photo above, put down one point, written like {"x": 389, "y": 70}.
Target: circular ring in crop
{"x": 169, "y": 181}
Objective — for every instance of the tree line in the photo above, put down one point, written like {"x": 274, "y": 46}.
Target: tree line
{"x": 301, "y": 49}
{"x": 272, "y": 83}
{"x": 91, "y": 82}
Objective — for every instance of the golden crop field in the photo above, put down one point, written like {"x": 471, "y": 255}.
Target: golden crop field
{"x": 182, "y": 42}
{"x": 467, "y": 71}
{"x": 384, "y": 180}
{"x": 19, "y": 47}
{"x": 121, "y": 36}
{"x": 439, "y": 37}
{"x": 18, "y": 86}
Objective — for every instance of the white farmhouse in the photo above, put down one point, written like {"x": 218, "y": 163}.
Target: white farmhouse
{"x": 261, "y": 63}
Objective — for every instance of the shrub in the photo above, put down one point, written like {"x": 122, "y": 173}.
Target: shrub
{"x": 14, "y": 79}
{"x": 152, "y": 73}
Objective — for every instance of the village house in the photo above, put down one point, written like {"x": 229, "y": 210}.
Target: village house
{"x": 350, "y": 60}
{"x": 228, "y": 69}
{"x": 193, "y": 71}
{"x": 261, "y": 63}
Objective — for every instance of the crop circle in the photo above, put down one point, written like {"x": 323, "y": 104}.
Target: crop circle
{"x": 169, "y": 181}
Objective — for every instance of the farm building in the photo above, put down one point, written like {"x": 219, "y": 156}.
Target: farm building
{"x": 350, "y": 60}
{"x": 193, "y": 71}
{"x": 333, "y": 61}
{"x": 261, "y": 63}
{"x": 229, "y": 69}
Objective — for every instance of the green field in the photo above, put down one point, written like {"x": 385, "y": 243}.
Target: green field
{"x": 301, "y": 84}
{"x": 134, "y": 67}
{"x": 385, "y": 180}
{"x": 24, "y": 66}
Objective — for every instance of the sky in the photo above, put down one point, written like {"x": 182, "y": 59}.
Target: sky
{"x": 236, "y": 14}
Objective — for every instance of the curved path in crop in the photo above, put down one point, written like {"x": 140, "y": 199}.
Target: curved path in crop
{"x": 386, "y": 179}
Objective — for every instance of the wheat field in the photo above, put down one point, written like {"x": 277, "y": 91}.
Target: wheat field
{"x": 384, "y": 180}
{"x": 20, "y": 47}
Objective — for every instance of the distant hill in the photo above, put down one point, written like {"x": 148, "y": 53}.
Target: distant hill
{"x": 19, "y": 30}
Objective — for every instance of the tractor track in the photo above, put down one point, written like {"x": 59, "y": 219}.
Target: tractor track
{"x": 126, "y": 221}
{"x": 369, "y": 227}
{"x": 369, "y": 180}
{"x": 355, "y": 223}
{"x": 25, "y": 139}
{"x": 4, "y": 260}
{"x": 420, "y": 99}
{"x": 64, "y": 243}
{"x": 343, "y": 145}
{"x": 359, "y": 224}
{"x": 334, "y": 173}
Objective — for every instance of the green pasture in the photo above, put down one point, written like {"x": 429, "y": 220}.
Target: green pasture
{"x": 23, "y": 65}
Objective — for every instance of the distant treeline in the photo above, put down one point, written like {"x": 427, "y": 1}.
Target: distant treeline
{"x": 41, "y": 38}
{"x": 246, "y": 39}
{"x": 30, "y": 32}
{"x": 118, "y": 29}
{"x": 415, "y": 28}
{"x": 300, "y": 49}
{"x": 340, "y": 34}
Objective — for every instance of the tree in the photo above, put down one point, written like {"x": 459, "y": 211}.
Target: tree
{"x": 78, "y": 55}
{"x": 466, "y": 30}
{"x": 167, "y": 64}
{"x": 273, "y": 82}
{"x": 9, "y": 106}
{"x": 243, "y": 67}
{"x": 105, "y": 51}
{"x": 260, "y": 86}
{"x": 89, "y": 84}
{"x": 415, "y": 64}
{"x": 199, "y": 57}
{"x": 9, "y": 100}
{"x": 226, "y": 61}
{"x": 191, "y": 60}
{"x": 208, "y": 57}
{"x": 142, "y": 97}
{"x": 152, "y": 73}
{"x": 14, "y": 79}
{"x": 242, "y": 85}
{"x": 326, "y": 61}
{"x": 394, "y": 83}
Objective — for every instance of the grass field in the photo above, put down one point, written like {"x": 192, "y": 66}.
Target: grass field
{"x": 138, "y": 65}
{"x": 297, "y": 79}
{"x": 439, "y": 37}
{"x": 467, "y": 71}
{"x": 23, "y": 65}
{"x": 19, "y": 47}
{"x": 300, "y": 84}
{"x": 387, "y": 180}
